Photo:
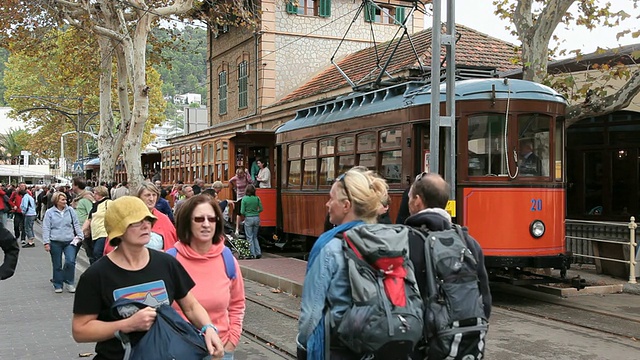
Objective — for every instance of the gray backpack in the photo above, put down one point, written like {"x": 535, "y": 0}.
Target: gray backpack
{"x": 385, "y": 319}
{"x": 455, "y": 322}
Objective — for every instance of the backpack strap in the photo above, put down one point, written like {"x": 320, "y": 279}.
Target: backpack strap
{"x": 227, "y": 257}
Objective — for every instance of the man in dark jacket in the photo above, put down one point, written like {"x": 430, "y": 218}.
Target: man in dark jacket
{"x": 11, "y": 250}
{"x": 428, "y": 198}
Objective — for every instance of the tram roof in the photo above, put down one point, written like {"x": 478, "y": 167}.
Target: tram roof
{"x": 415, "y": 93}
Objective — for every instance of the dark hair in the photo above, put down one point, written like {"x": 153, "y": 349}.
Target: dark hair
{"x": 250, "y": 190}
{"x": 115, "y": 242}
{"x": 79, "y": 183}
{"x": 183, "y": 218}
{"x": 433, "y": 190}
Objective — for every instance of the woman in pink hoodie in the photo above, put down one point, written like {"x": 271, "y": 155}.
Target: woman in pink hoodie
{"x": 199, "y": 249}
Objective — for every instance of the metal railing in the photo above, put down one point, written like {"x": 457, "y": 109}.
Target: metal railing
{"x": 582, "y": 236}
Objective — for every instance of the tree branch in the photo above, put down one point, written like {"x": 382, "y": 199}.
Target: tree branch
{"x": 551, "y": 16}
{"x": 599, "y": 106}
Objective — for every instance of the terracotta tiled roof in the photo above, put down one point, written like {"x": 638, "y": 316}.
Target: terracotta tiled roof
{"x": 474, "y": 49}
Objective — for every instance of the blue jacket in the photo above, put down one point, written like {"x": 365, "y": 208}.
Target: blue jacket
{"x": 28, "y": 205}
{"x": 60, "y": 225}
{"x": 326, "y": 282}
{"x": 163, "y": 206}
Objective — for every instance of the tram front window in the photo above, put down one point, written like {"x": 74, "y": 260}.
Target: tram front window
{"x": 486, "y": 146}
{"x": 533, "y": 145}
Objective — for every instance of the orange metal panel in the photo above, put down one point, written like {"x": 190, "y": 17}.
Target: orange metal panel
{"x": 268, "y": 197}
{"x": 499, "y": 218}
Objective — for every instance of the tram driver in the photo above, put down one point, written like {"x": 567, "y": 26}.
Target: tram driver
{"x": 529, "y": 163}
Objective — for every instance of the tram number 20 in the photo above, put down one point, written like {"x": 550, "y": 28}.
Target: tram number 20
{"x": 536, "y": 204}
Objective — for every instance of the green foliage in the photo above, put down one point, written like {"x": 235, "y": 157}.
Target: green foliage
{"x": 4, "y": 56}
{"x": 182, "y": 62}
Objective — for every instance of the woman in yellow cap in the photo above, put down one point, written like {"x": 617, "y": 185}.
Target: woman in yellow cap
{"x": 132, "y": 271}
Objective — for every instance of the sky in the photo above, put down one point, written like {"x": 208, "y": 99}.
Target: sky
{"x": 478, "y": 15}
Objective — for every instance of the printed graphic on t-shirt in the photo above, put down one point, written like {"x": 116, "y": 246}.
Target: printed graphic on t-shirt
{"x": 156, "y": 242}
{"x": 152, "y": 294}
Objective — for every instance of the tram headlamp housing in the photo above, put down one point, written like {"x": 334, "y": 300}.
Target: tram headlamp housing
{"x": 537, "y": 229}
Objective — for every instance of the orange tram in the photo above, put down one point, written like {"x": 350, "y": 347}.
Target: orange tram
{"x": 510, "y": 187}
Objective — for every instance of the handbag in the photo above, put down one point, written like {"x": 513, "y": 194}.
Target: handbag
{"x": 170, "y": 337}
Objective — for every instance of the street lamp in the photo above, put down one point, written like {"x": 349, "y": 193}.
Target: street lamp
{"x": 63, "y": 162}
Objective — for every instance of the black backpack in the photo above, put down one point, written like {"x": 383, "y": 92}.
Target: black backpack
{"x": 385, "y": 319}
{"x": 455, "y": 322}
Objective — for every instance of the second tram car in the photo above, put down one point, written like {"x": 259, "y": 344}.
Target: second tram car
{"x": 510, "y": 186}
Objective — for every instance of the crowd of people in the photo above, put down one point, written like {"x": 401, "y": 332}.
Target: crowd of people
{"x": 153, "y": 245}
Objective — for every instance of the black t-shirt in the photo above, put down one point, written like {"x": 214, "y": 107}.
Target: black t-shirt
{"x": 161, "y": 281}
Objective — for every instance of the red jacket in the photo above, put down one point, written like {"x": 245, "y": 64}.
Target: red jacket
{"x": 16, "y": 200}
{"x": 2, "y": 195}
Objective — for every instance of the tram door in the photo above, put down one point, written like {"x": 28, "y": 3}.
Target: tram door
{"x": 422, "y": 155}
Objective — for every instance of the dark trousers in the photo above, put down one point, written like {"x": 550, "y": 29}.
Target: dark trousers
{"x": 18, "y": 226}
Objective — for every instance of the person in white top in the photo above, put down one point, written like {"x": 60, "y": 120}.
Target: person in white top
{"x": 264, "y": 175}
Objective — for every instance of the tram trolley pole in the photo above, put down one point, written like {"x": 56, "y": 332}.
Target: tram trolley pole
{"x": 447, "y": 121}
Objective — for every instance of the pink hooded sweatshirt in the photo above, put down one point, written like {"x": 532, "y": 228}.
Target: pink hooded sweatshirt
{"x": 222, "y": 297}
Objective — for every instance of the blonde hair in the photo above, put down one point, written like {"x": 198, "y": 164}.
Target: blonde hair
{"x": 366, "y": 191}
{"x": 101, "y": 190}
{"x": 148, "y": 186}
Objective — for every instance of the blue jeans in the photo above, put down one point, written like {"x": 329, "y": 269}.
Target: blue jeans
{"x": 3, "y": 218}
{"x": 228, "y": 356}
{"x": 63, "y": 273}
{"x": 251, "y": 227}
{"x": 98, "y": 249}
{"x": 28, "y": 226}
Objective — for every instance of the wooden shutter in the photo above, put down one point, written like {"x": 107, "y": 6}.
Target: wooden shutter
{"x": 369, "y": 12}
{"x": 324, "y": 8}
{"x": 291, "y": 7}
{"x": 400, "y": 14}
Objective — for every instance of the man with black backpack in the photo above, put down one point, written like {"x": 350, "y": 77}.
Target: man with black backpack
{"x": 457, "y": 262}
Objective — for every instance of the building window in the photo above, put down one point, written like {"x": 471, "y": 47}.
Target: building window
{"x": 222, "y": 92}
{"x": 383, "y": 14}
{"x": 320, "y": 8}
{"x": 243, "y": 77}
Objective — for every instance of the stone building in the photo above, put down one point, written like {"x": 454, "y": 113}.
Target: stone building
{"x": 251, "y": 69}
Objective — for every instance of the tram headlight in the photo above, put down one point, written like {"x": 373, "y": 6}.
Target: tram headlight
{"x": 537, "y": 229}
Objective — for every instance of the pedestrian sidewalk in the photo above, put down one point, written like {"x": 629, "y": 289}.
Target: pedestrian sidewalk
{"x": 36, "y": 322}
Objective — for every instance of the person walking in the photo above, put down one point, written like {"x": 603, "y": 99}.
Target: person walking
{"x": 95, "y": 222}
{"x": 5, "y": 206}
{"x": 132, "y": 271}
{"x": 250, "y": 208}
{"x": 15, "y": 200}
{"x": 200, "y": 249}
{"x": 28, "y": 208}
{"x": 62, "y": 234}
{"x": 354, "y": 200}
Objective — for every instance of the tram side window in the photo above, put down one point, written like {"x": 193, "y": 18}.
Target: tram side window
{"x": 345, "y": 163}
{"x": 486, "y": 146}
{"x": 533, "y": 145}
{"x": 327, "y": 173}
{"x": 391, "y": 168}
{"x": 294, "y": 174}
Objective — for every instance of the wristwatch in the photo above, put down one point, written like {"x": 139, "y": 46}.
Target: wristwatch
{"x": 204, "y": 328}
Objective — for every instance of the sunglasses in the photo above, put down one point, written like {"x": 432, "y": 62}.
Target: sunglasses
{"x": 420, "y": 176}
{"x": 340, "y": 178}
{"x": 201, "y": 219}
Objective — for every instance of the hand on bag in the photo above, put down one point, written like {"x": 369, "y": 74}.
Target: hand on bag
{"x": 142, "y": 320}
{"x": 214, "y": 344}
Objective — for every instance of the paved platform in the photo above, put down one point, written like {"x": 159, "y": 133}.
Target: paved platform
{"x": 287, "y": 274}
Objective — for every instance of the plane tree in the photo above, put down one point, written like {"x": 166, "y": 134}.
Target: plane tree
{"x": 534, "y": 23}
{"x": 121, "y": 30}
